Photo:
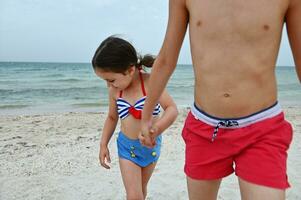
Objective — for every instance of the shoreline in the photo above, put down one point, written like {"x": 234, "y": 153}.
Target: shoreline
{"x": 46, "y": 110}
{"x": 64, "y": 110}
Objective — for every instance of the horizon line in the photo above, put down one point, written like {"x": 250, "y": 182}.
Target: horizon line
{"x": 65, "y": 62}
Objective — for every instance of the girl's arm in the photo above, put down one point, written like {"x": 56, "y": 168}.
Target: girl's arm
{"x": 108, "y": 130}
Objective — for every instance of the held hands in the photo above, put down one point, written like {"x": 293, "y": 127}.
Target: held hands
{"x": 104, "y": 157}
{"x": 148, "y": 134}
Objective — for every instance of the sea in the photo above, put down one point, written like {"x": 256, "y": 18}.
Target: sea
{"x": 36, "y": 88}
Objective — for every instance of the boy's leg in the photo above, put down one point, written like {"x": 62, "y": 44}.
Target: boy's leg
{"x": 202, "y": 189}
{"x": 250, "y": 191}
{"x": 206, "y": 163}
{"x": 261, "y": 166}
{"x": 146, "y": 174}
{"x": 131, "y": 176}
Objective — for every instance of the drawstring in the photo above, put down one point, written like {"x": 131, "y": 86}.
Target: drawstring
{"x": 226, "y": 123}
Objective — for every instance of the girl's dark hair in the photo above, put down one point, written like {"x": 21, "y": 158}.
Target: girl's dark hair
{"x": 117, "y": 55}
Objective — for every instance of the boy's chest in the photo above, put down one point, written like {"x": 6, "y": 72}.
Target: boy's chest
{"x": 236, "y": 15}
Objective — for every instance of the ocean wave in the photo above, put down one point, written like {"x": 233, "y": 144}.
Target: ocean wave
{"x": 49, "y": 90}
{"x": 69, "y": 80}
{"x": 13, "y": 106}
{"x": 53, "y": 76}
{"x": 179, "y": 85}
{"x": 85, "y": 105}
{"x": 289, "y": 87}
{"x": 9, "y": 81}
{"x": 30, "y": 70}
{"x": 5, "y": 90}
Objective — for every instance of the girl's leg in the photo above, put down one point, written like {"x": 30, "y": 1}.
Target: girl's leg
{"x": 146, "y": 174}
{"x": 202, "y": 189}
{"x": 250, "y": 191}
{"x": 131, "y": 176}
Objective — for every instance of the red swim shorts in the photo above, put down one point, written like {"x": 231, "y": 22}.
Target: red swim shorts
{"x": 256, "y": 145}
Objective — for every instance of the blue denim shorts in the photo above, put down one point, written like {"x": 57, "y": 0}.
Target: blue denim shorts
{"x": 133, "y": 150}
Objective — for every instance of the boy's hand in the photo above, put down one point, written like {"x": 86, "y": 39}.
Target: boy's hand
{"x": 104, "y": 157}
{"x": 147, "y": 140}
{"x": 148, "y": 135}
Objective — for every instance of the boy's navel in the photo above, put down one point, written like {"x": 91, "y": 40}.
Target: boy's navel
{"x": 226, "y": 95}
{"x": 199, "y": 23}
{"x": 266, "y": 27}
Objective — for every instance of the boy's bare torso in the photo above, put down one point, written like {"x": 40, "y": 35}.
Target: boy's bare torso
{"x": 234, "y": 48}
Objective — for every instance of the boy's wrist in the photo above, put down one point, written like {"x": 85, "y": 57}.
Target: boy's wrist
{"x": 145, "y": 120}
{"x": 146, "y": 115}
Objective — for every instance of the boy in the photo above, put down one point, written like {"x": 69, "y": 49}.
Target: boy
{"x": 235, "y": 117}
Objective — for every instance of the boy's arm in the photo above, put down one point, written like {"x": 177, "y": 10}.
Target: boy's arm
{"x": 169, "y": 116}
{"x": 293, "y": 23}
{"x": 166, "y": 61}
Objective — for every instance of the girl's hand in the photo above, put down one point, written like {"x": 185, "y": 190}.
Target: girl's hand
{"x": 104, "y": 157}
{"x": 147, "y": 140}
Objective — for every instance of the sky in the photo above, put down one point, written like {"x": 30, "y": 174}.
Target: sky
{"x": 71, "y": 30}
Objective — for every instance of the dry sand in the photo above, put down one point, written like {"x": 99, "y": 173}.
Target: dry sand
{"x": 55, "y": 156}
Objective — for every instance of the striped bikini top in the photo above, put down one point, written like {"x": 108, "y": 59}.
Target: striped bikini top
{"x": 124, "y": 108}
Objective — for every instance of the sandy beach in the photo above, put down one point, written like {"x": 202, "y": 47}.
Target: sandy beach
{"x": 55, "y": 156}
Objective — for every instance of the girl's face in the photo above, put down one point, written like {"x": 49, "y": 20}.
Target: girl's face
{"x": 119, "y": 81}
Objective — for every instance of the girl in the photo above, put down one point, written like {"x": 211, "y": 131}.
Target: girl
{"x": 116, "y": 62}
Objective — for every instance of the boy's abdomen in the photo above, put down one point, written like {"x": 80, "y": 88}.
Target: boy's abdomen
{"x": 234, "y": 47}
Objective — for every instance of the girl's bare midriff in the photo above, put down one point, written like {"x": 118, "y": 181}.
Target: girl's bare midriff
{"x": 131, "y": 126}
{"x": 234, "y": 49}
